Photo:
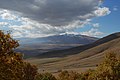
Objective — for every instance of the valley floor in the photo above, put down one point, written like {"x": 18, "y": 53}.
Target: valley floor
{"x": 47, "y": 65}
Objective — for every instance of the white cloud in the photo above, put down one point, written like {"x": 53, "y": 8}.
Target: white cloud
{"x": 102, "y": 11}
{"x": 30, "y": 28}
{"x": 5, "y": 14}
{"x": 2, "y": 24}
{"x": 96, "y": 25}
{"x": 17, "y": 34}
{"x": 92, "y": 32}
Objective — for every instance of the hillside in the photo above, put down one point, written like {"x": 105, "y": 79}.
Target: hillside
{"x": 89, "y": 57}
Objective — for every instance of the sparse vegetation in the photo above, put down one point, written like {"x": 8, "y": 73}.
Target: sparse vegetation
{"x": 12, "y": 66}
{"x": 45, "y": 76}
{"x": 109, "y": 69}
{"x": 68, "y": 75}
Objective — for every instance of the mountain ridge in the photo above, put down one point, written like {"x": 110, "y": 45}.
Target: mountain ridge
{"x": 60, "y": 39}
{"x": 34, "y": 46}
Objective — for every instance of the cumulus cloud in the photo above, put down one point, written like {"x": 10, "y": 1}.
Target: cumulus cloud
{"x": 53, "y": 12}
{"x": 102, "y": 11}
{"x": 49, "y": 17}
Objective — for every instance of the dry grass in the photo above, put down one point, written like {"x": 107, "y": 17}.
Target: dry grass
{"x": 78, "y": 62}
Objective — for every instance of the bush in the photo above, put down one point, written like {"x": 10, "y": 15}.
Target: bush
{"x": 45, "y": 76}
{"x": 12, "y": 66}
{"x": 68, "y": 75}
{"x": 109, "y": 69}
{"x": 88, "y": 75}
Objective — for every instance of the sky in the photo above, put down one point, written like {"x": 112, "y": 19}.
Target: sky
{"x": 40, "y": 18}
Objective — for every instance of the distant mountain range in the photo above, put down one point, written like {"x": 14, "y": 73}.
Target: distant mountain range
{"x": 59, "y": 39}
{"x": 35, "y": 46}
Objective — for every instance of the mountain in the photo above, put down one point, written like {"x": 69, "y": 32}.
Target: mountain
{"x": 79, "y": 58}
{"x": 76, "y": 50}
{"x": 59, "y": 39}
{"x": 34, "y": 46}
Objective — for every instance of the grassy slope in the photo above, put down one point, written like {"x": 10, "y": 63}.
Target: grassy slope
{"x": 87, "y": 58}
